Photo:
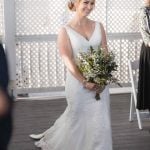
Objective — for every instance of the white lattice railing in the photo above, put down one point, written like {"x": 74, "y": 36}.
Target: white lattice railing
{"x": 40, "y": 66}
{"x": 125, "y": 46}
{"x": 38, "y": 63}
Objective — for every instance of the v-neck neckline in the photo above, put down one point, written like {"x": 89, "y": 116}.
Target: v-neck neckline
{"x": 88, "y": 40}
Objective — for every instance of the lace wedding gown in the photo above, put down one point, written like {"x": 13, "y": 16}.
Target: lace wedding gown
{"x": 85, "y": 124}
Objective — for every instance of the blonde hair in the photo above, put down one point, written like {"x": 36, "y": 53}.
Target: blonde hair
{"x": 71, "y": 4}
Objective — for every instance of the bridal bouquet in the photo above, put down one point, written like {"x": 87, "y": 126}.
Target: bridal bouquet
{"x": 97, "y": 67}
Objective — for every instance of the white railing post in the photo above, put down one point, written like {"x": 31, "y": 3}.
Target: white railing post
{"x": 9, "y": 40}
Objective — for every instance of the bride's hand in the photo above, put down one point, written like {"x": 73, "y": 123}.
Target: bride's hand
{"x": 90, "y": 86}
{"x": 3, "y": 103}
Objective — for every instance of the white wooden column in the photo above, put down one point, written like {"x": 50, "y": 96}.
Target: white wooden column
{"x": 9, "y": 40}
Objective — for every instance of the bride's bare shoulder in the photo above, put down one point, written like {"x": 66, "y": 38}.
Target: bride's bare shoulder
{"x": 62, "y": 33}
{"x": 63, "y": 41}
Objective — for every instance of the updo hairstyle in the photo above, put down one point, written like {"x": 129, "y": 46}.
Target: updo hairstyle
{"x": 71, "y": 5}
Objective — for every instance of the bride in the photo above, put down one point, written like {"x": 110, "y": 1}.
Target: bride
{"x": 85, "y": 124}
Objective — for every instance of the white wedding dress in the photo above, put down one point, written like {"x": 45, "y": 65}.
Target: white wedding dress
{"x": 85, "y": 124}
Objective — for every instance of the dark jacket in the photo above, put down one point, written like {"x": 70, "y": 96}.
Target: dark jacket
{"x": 4, "y": 78}
{"x": 6, "y": 121}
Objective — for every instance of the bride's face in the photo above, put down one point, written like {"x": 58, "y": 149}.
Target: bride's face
{"x": 84, "y": 7}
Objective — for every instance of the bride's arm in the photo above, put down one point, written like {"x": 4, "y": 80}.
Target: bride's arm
{"x": 65, "y": 49}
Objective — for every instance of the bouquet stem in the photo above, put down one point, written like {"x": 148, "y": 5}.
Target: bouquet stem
{"x": 97, "y": 96}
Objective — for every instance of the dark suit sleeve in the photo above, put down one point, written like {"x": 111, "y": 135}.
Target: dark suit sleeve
{"x": 4, "y": 78}
{"x": 6, "y": 120}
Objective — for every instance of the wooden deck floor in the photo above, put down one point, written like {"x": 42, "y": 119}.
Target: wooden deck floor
{"x": 36, "y": 116}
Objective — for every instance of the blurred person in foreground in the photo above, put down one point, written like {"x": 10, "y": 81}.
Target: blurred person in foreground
{"x": 6, "y": 102}
{"x": 143, "y": 95}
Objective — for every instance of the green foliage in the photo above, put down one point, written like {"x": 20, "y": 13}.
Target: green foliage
{"x": 97, "y": 66}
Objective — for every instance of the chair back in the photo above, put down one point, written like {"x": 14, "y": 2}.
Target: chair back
{"x": 133, "y": 72}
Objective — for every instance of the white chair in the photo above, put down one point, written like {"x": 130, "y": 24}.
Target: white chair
{"x": 133, "y": 68}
